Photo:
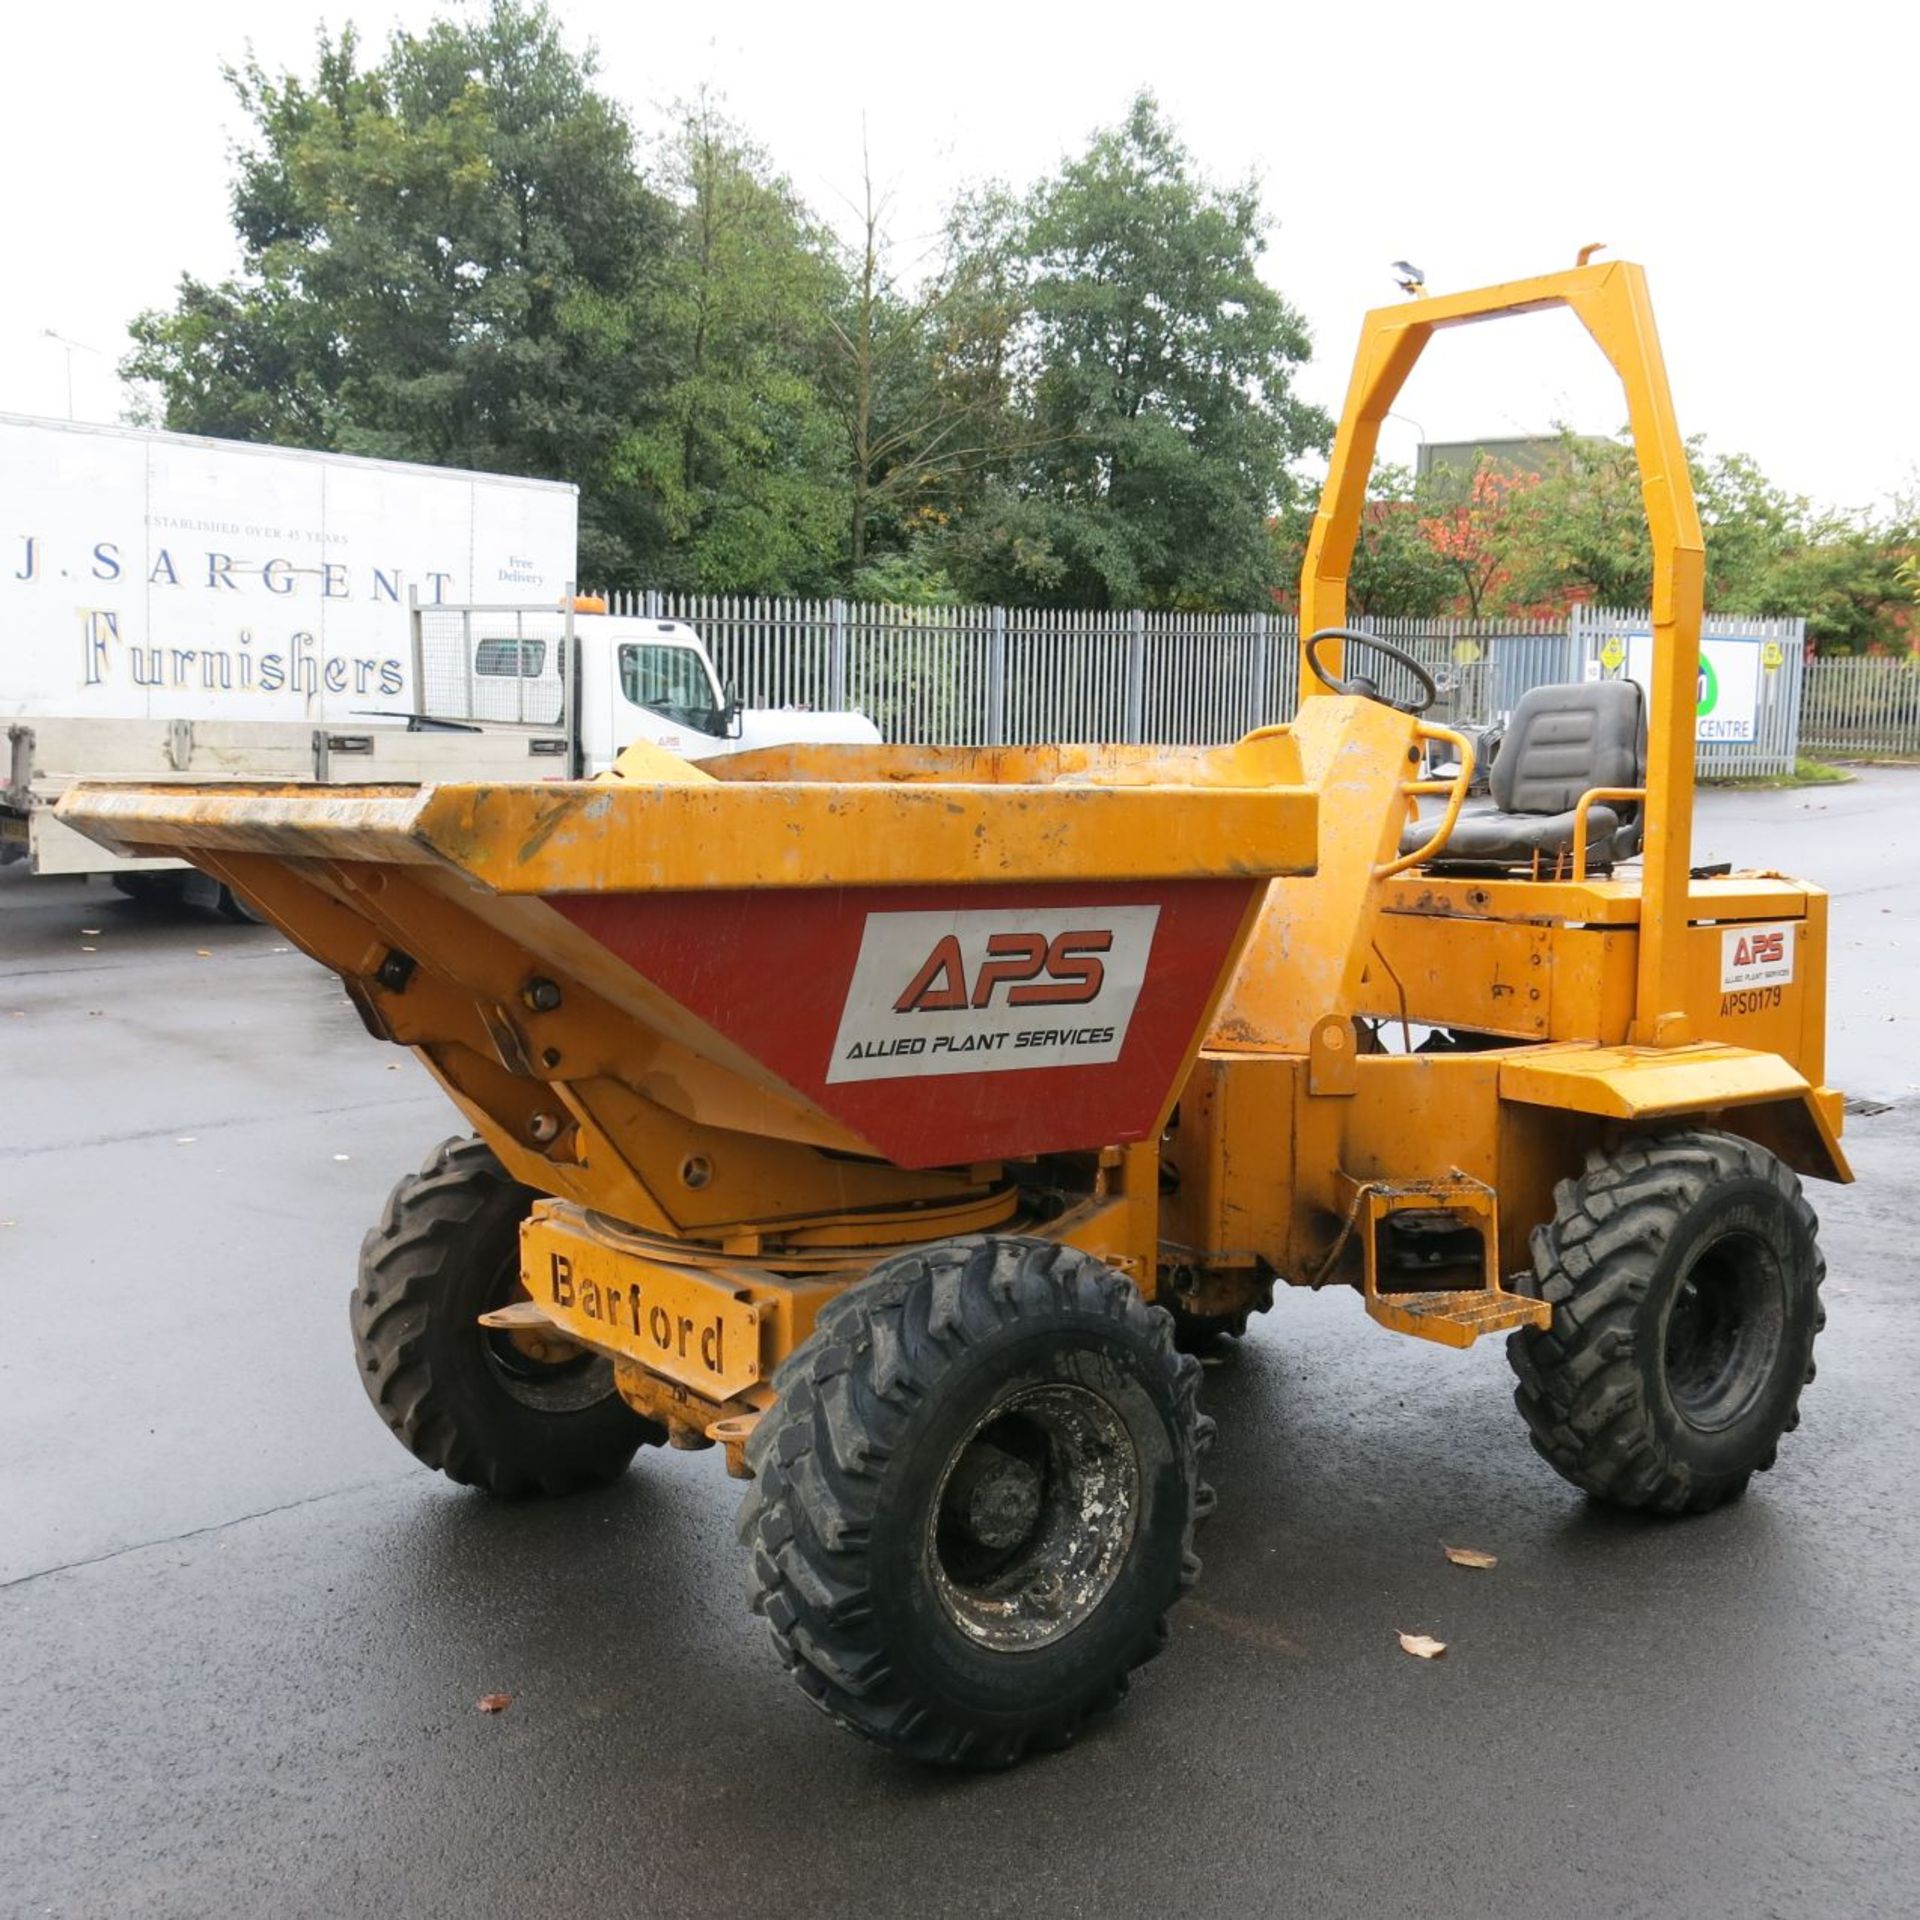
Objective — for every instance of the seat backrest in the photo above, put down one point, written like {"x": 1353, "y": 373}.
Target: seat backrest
{"x": 1563, "y": 740}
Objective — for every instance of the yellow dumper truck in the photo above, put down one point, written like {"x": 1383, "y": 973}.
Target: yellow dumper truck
{"x": 891, "y": 1118}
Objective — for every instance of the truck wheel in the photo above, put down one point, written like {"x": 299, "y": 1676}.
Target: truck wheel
{"x": 233, "y": 907}
{"x": 974, "y": 1498}
{"x": 148, "y": 887}
{"x": 479, "y": 1405}
{"x": 1684, "y": 1275}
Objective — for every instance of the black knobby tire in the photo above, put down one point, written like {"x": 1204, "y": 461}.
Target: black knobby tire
{"x": 1684, "y": 1272}
{"x": 948, "y": 1645}
{"x": 461, "y": 1398}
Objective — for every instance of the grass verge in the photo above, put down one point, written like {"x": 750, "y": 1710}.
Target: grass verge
{"x": 1806, "y": 773}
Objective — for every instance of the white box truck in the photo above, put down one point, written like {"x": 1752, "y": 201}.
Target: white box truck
{"x": 172, "y": 606}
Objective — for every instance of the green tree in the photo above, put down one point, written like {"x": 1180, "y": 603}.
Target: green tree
{"x": 1578, "y": 530}
{"x": 1478, "y": 534}
{"x": 1158, "y": 385}
{"x": 1750, "y": 526}
{"x": 1585, "y": 530}
{"x": 1845, "y": 579}
{"x": 1397, "y": 573}
{"x": 1582, "y": 532}
{"x": 920, "y": 374}
{"x": 1909, "y": 574}
{"x": 740, "y": 449}
{"x": 444, "y": 258}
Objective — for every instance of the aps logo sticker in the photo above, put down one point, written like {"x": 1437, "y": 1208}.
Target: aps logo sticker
{"x": 1756, "y": 956}
{"x": 991, "y": 991}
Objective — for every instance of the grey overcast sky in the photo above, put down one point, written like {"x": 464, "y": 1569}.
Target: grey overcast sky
{"x": 1759, "y": 158}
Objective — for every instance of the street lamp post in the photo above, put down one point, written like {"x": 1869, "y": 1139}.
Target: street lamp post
{"x": 1407, "y": 419}
{"x": 72, "y": 347}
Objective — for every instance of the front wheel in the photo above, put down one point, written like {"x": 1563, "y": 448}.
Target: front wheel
{"x": 974, "y": 1498}
{"x": 1684, "y": 1274}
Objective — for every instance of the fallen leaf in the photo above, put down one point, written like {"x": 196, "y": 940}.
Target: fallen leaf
{"x": 1469, "y": 1556}
{"x": 495, "y": 1702}
{"x": 1423, "y": 1646}
{"x": 205, "y": 953}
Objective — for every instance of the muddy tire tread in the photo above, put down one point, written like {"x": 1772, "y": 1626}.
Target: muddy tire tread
{"x": 844, "y": 1399}
{"x": 430, "y": 1222}
{"x": 1578, "y": 1390}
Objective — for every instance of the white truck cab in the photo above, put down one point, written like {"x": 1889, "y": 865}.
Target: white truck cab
{"x": 654, "y": 680}
{"x": 637, "y": 679}
{"x": 650, "y": 680}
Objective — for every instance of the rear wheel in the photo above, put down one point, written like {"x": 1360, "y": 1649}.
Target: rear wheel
{"x": 1684, "y": 1273}
{"x": 974, "y": 1498}
{"x": 489, "y": 1409}
{"x": 233, "y": 906}
{"x": 148, "y": 887}
{"x": 176, "y": 886}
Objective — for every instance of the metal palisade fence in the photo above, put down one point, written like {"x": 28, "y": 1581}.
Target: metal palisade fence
{"x": 989, "y": 676}
{"x": 1864, "y": 706}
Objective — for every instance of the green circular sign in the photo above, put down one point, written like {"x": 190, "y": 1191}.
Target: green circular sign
{"x": 1709, "y": 688}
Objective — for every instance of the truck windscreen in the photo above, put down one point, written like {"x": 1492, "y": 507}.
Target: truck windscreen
{"x": 672, "y": 682}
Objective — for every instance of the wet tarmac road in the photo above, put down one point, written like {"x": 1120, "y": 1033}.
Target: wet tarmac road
{"x": 242, "y": 1635}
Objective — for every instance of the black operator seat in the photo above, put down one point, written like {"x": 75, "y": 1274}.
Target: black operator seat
{"x": 1561, "y": 742}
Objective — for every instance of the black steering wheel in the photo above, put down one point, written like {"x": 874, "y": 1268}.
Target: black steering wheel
{"x": 1359, "y": 683}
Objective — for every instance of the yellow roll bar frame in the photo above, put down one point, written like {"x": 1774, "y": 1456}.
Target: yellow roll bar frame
{"x": 1611, "y": 302}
